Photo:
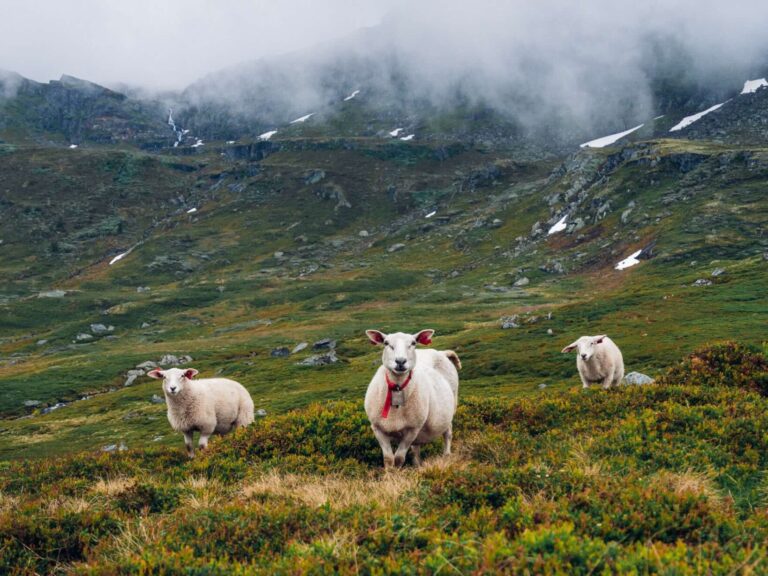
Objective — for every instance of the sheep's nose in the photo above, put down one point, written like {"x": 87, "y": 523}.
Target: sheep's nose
{"x": 401, "y": 362}
{"x": 173, "y": 388}
{"x": 583, "y": 356}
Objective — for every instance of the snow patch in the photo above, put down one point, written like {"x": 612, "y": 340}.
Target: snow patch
{"x": 688, "y": 120}
{"x": 408, "y": 138}
{"x": 659, "y": 117}
{"x": 230, "y": 141}
{"x": 751, "y": 86}
{"x": 119, "y": 257}
{"x": 630, "y": 260}
{"x": 559, "y": 226}
{"x": 191, "y": 210}
{"x": 608, "y": 140}
{"x": 395, "y": 132}
{"x": 267, "y": 135}
{"x": 302, "y": 119}
{"x": 431, "y": 214}
{"x": 72, "y": 146}
{"x": 198, "y": 143}
{"x": 355, "y": 93}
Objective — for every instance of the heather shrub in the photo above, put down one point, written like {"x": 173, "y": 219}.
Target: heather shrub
{"x": 725, "y": 364}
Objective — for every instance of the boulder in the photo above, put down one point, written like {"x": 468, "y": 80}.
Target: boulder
{"x": 637, "y": 379}
{"x": 299, "y": 347}
{"x": 510, "y": 322}
{"x": 520, "y": 282}
{"x": 146, "y": 365}
{"x": 396, "y": 247}
{"x": 101, "y": 329}
{"x": 131, "y": 375}
{"x": 320, "y": 359}
{"x": 157, "y": 399}
{"x": 261, "y": 412}
{"x": 280, "y": 352}
{"x": 324, "y": 344}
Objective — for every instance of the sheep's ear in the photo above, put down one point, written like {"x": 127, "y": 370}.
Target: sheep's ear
{"x": 599, "y": 339}
{"x": 156, "y": 373}
{"x": 190, "y": 373}
{"x": 375, "y": 336}
{"x": 424, "y": 337}
{"x": 570, "y": 347}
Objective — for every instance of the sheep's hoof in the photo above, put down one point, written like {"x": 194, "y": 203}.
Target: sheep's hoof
{"x": 389, "y": 463}
{"x": 399, "y": 461}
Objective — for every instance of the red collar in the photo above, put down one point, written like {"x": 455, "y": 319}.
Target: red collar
{"x": 390, "y": 387}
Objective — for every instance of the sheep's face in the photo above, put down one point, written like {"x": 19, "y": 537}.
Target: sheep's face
{"x": 174, "y": 379}
{"x": 399, "y": 353}
{"x": 585, "y": 346}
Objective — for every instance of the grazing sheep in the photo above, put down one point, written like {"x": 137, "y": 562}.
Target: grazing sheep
{"x": 208, "y": 405}
{"x": 413, "y": 395}
{"x": 598, "y": 360}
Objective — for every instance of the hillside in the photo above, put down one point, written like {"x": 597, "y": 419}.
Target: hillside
{"x": 239, "y": 249}
{"x": 264, "y": 259}
{"x": 666, "y": 478}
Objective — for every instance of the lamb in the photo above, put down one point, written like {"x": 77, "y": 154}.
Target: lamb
{"x": 208, "y": 405}
{"x": 413, "y": 395}
{"x": 598, "y": 360}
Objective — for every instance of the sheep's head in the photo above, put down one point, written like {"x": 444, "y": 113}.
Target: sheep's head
{"x": 399, "y": 354}
{"x": 586, "y": 346}
{"x": 174, "y": 379}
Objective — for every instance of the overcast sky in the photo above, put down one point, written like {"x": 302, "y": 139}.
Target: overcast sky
{"x": 571, "y": 46}
{"x": 166, "y": 43}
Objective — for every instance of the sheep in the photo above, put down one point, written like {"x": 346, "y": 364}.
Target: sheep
{"x": 598, "y": 360}
{"x": 208, "y": 405}
{"x": 413, "y": 395}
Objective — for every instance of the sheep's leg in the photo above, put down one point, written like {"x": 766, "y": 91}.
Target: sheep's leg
{"x": 405, "y": 442}
{"x": 447, "y": 438}
{"x": 584, "y": 381}
{"x": 386, "y": 447}
{"x": 608, "y": 380}
{"x": 188, "y": 438}
{"x": 203, "y": 443}
{"x": 416, "y": 454}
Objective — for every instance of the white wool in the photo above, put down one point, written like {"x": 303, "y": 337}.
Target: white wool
{"x": 598, "y": 360}
{"x": 430, "y": 397}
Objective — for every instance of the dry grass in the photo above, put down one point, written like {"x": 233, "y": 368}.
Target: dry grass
{"x": 113, "y": 486}
{"x": 581, "y": 461}
{"x": 204, "y": 493}
{"x": 696, "y": 483}
{"x": 335, "y": 491}
{"x": 67, "y": 504}
{"x": 8, "y": 502}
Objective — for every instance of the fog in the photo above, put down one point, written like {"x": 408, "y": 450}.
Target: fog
{"x": 165, "y": 44}
{"x": 549, "y": 60}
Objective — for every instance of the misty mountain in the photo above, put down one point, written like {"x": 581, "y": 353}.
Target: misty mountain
{"x": 75, "y": 110}
{"x": 553, "y": 83}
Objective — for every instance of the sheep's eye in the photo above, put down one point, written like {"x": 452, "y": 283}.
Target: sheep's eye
{"x": 413, "y": 343}
{"x": 386, "y": 343}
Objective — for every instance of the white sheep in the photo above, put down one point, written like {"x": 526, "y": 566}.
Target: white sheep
{"x": 413, "y": 395}
{"x": 208, "y": 405}
{"x": 598, "y": 359}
